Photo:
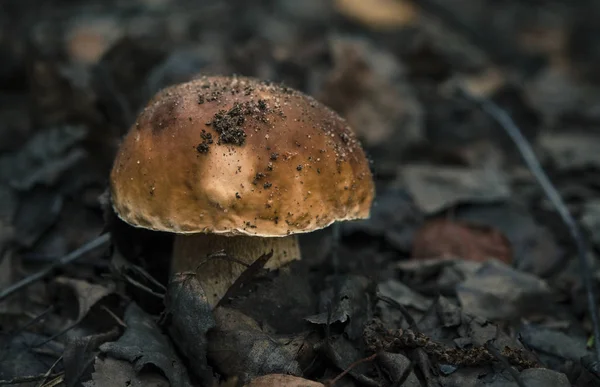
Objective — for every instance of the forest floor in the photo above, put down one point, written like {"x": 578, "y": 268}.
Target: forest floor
{"x": 464, "y": 275}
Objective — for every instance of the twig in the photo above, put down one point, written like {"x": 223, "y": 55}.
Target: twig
{"x": 502, "y": 118}
{"x": 347, "y": 370}
{"x": 67, "y": 259}
{"x": 58, "y": 379}
{"x": 33, "y": 321}
{"x": 143, "y": 287}
{"x": 114, "y": 316}
{"x": 147, "y": 275}
{"x": 409, "y": 319}
{"x": 51, "y": 338}
{"x": 26, "y": 379}
{"x": 49, "y": 371}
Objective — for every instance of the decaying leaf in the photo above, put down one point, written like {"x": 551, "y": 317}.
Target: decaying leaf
{"x": 190, "y": 318}
{"x": 552, "y": 344}
{"x": 44, "y": 158}
{"x": 572, "y": 149}
{"x": 88, "y": 294}
{"x": 282, "y": 380}
{"x": 109, "y": 372}
{"x": 402, "y": 294}
{"x": 399, "y": 368}
{"x": 437, "y": 188}
{"x": 435, "y": 276}
{"x": 346, "y": 301}
{"x": 239, "y": 347}
{"x": 144, "y": 344}
{"x": 370, "y": 89}
{"x": 499, "y": 292}
{"x": 534, "y": 247}
{"x": 444, "y": 238}
{"x": 79, "y": 355}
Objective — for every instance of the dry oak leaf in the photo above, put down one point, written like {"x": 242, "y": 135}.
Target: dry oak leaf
{"x": 440, "y": 238}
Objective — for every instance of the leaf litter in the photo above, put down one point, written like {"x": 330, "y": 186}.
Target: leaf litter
{"x": 500, "y": 289}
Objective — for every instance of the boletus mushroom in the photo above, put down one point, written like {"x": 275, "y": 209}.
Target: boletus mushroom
{"x": 240, "y": 165}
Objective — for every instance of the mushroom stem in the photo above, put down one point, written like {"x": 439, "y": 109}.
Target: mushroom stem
{"x": 216, "y": 275}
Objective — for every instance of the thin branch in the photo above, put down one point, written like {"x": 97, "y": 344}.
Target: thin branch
{"x": 409, "y": 319}
{"x": 26, "y": 379}
{"x": 502, "y": 118}
{"x": 67, "y": 259}
{"x": 147, "y": 275}
{"x": 49, "y": 371}
{"x": 347, "y": 370}
{"x": 143, "y": 287}
{"x": 114, "y": 316}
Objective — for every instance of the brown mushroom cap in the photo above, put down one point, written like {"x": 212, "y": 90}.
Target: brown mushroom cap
{"x": 234, "y": 155}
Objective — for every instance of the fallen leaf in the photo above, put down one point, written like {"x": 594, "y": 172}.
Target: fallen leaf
{"x": 18, "y": 355}
{"x": 534, "y": 377}
{"x": 345, "y": 304}
{"x": 88, "y": 294}
{"x": 590, "y": 218}
{"x": 404, "y": 295}
{"x": 39, "y": 210}
{"x": 396, "y": 365}
{"x": 499, "y": 292}
{"x": 110, "y": 372}
{"x": 237, "y": 346}
{"x": 143, "y": 344}
{"x": 552, "y": 344}
{"x": 282, "y": 380}
{"x": 435, "y": 188}
{"x": 280, "y": 299}
{"x": 572, "y": 149}
{"x": 369, "y": 88}
{"x": 534, "y": 248}
{"x": 44, "y": 158}
{"x": 435, "y": 276}
{"x": 190, "y": 318}
{"x": 79, "y": 355}
{"x": 382, "y": 14}
{"x": 444, "y": 238}
{"x": 89, "y": 38}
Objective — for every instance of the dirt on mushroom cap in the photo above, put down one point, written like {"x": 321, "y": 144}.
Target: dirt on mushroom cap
{"x": 170, "y": 175}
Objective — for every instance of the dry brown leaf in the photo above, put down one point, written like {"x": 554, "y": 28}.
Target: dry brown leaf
{"x": 485, "y": 83}
{"x": 88, "y": 41}
{"x": 282, "y": 381}
{"x": 381, "y": 14}
{"x": 443, "y": 238}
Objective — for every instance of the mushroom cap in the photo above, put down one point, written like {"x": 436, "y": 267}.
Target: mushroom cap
{"x": 235, "y": 155}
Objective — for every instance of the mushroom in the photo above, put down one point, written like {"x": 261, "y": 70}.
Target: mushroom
{"x": 240, "y": 165}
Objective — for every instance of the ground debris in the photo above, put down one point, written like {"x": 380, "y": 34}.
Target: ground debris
{"x": 377, "y": 338}
{"x": 188, "y": 318}
{"x": 445, "y": 238}
{"x": 238, "y": 346}
{"x": 144, "y": 344}
{"x": 110, "y": 372}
